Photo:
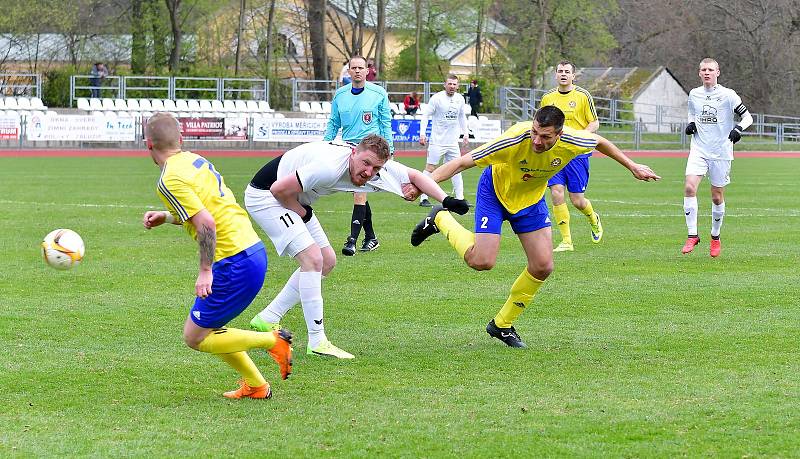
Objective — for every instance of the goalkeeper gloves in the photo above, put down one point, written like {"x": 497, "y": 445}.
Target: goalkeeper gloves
{"x": 458, "y": 206}
{"x": 735, "y": 134}
{"x": 308, "y": 215}
{"x": 691, "y": 128}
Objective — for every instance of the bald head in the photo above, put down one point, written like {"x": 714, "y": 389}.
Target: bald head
{"x": 163, "y": 132}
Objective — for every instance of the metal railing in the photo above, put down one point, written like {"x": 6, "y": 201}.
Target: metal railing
{"x": 324, "y": 90}
{"x": 20, "y": 84}
{"x": 168, "y": 87}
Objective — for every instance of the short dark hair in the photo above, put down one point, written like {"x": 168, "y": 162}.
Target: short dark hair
{"x": 376, "y": 144}
{"x": 566, "y": 62}
{"x": 474, "y": 81}
{"x": 550, "y": 115}
{"x": 357, "y": 57}
{"x": 451, "y": 76}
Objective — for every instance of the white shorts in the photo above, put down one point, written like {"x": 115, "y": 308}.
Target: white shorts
{"x": 437, "y": 152}
{"x": 717, "y": 170}
{"x": 284, "y": 227}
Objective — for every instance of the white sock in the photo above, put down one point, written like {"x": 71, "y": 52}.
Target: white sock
{"x": 458, "y": 186}
{"x": 717, "y": 215}
{"x": 423, "y": 195}
{"x": 690, "y": 210}
{"x": 311, "y": 299}
{"x": 283, "y": 301}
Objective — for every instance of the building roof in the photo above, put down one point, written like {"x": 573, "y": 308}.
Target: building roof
{"x": 394, "y": 21}
{"x": 616, "y": 82}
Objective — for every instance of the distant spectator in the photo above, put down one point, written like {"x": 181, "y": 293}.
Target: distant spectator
{"x": 99, "y": 73}
{"x": 411, "y": 103}
{"x": 372, "y": 73}
{"x": 344, "y": 75}
{"x": 474, "y": 97}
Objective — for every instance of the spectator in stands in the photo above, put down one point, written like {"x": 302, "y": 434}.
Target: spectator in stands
{"x": 372, "y": 72}
{"x": 344, "y": 75}
{"x": 99, "y": 73}
{"x": 474, "y": 97}
{"x": 411, "y": 103}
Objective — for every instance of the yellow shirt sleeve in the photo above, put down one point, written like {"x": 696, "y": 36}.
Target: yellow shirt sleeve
{"x": 179, "y": 197}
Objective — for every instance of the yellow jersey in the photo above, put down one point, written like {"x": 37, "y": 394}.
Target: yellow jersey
{"x": 519, "y": 173}
{"x": 189, "y": 184}
{"x": 577, "y": 105}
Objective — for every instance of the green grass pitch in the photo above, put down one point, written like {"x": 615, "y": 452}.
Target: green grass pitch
{"x": 635, "y": 350}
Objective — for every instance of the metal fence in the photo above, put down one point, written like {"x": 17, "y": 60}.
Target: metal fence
{"x": 20, "y": 84}
{"x": 323, "y": 90}
{"x": 168, "y": 87}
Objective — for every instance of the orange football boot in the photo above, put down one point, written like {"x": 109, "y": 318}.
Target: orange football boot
{"x": 245, "y": 391}
{"x": 690, "y": 243}
{"x": 281, "y": 352}
{"x": 716, "y": 248}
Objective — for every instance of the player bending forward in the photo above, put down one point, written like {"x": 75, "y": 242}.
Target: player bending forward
{"x": 518, "y": 166}
{"x": 279, "y": 199}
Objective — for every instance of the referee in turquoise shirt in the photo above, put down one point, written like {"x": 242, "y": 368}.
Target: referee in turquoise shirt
{"x": 359, "y": 109}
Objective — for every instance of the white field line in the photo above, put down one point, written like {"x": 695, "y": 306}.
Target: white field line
{"x": 731, "y": 213}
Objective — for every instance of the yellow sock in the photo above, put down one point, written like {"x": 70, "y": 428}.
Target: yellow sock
{"x": 589, "y": 212}
{"x": 243, "y": 365}
{"x": 459, "y": 237}
{"x": 522, "y": 292}
{"x": 561, "y": 212}
{"x": 230, "y": 340}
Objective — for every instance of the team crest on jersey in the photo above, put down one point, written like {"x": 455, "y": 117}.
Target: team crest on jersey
{"x": 366, "y": 117}
{"x": 709, "y": 115}
{"x": 526, "y": 177}
{"x": 572, "y": 104}
{"x": 556, "y": 162}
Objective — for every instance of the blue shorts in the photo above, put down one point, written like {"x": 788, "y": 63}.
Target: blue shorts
{"x": 237, "y": 281}
{"x": 575, "y": 175}
{"x": 490, "y": 212}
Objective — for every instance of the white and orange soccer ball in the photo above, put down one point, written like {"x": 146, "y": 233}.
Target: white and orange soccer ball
{"x": 62, "y": 249}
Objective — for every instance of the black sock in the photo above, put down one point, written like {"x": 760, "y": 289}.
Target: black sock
{"x": 359, "y": 211}
{"x": 716, "y": 238}
{"x": 369, "y": 231}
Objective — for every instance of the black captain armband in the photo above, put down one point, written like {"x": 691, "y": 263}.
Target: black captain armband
{"x": 691, "y": 128}
{"x": 735, "y": 134}
{"x": 309, "y": 213}
{"x": 459, "y": 206}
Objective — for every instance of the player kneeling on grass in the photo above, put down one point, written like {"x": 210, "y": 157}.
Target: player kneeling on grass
{"x": 233, "y": 261}
{"x": 279, "y": 199}
{"x": 511, "y": 187}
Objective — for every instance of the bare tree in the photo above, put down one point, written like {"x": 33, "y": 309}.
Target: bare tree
{"x": 316, "y": 31}
{"x": 174, "y": 7}
{"x": 240, "y": 35}
{"x": 380, "y": 36}
{"x": 417, "y": 36}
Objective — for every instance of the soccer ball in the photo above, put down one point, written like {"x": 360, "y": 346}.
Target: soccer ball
{"x": 62, "y": 249}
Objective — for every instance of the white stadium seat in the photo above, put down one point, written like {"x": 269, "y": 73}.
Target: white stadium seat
{"x": 2, "y": 103}
{"x": 241, "y": 106}
{"x": 120, "y": 105}
{"x": 263, "y": 106}
{"x": 316, "y": 107}
{"x": 205, "y": 105}
{"x": 23, "y": 103}
{"x": 157, "y": 105}
{"x": 169, "y": 105}
{"x": 95, "y": 104}
{"x": 267, "y": 115}
{"x": 218, "y": 106}
{"x": 37, "y": 104}
{"x": 229, "y": 106}
{"x": 107, "y": 104}
{"x": 193, "y": 105}
{"x": 181, "y": 105}
{"x": 11, "y": 103}
{"x": 304, "y": 107}
{"x": 144, "y": 105}
{"x": 483, "y": 118}
{"x": 133, "y": 104}
{"x": 252, "y": 106}
{"x": 83, "y": 104}
{"x": 278, "y": 115}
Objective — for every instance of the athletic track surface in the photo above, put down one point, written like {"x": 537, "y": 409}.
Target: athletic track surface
{"x": 106, "y": 153}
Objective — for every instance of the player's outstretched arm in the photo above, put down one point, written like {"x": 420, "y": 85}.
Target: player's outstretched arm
{"x": 422, "y": 182}
{"x": 640, "y": 171}
{"x": 451, "y": 168}
{"x": 206, "y": 228}
{"x": 153, "y": 218}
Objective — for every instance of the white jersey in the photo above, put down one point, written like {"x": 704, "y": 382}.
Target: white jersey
{"x": 323, "y": 168}
{"x": 449, "y": 118}
{"x": 713, "y": 111}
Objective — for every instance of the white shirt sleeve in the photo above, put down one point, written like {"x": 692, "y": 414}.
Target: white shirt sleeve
{"x": 391, "y": 178}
